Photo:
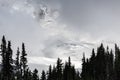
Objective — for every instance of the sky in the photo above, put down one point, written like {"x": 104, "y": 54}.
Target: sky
{"x": 59, "y": 28}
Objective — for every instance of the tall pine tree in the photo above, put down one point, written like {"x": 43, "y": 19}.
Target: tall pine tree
{"x": 9, "y": 62}
{"x": 59, "y": 69}
{"x": 3, "y": 55}
{"x": 43, "y": 76}
{"x": 17, "y": 64}
{"x": 23, "y": 63}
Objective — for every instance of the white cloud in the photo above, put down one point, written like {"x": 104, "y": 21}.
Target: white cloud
{"x": 51, "y": 61}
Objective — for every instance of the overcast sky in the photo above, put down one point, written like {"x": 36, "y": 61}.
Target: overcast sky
{"x": 59, "y": 28}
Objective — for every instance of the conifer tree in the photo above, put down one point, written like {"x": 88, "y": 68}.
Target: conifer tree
{"x": 111, "y": 66}
{"x": 54, "y": 73}
{"x": 59, "y": 69}
{"x": 117, "y": 62}
{"x": 9, "y": 62}
{"x": 6, "y": 53}
{"x": 65, "y": 72}
{"x": 92, "y": 65}
{"x": 43, "y": 76}
{"x": 49, "y": 77}
{"x": 30, "y": 75}
{"x": 83, "y": 73}
{"x": 68, "y": 71}
{"x": 69, "y": 61}
{"x": 3, "y": 55}
{"x": 23, "y": 63}
{"x": 35, "y": 75}
{"x": 100, "y": 61}
{"x": 17, "y": 64}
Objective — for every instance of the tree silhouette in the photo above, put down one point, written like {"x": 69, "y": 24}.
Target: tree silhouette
{"x": 103, "y": 64}
{"x": 9, "y": 62}
{"x": 17, "y": 65}
{"x": 49, "y": 77}
{"x": 3, "y": 55}
{"x": 43, "y": 76}
{"x": 59, "y": 69}
{"x": 23, "y": 63}
{"x": 35, "y": 75}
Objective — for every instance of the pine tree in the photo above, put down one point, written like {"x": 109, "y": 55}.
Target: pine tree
{"x": 69, "y": 61}
{"x": 71, "y": 70}
{"x": 117, "y": 62}
{"x": 35, "y": 75}
{"x": 92, "y": 65}
{"x": 9, "y": 62}
{"x": 3, "y": 54}
{"x": 17, "y": 64}
{"x": 68, "y": 71}
{"x": 65, "y": 71}
{"x": 59, "y": 69}
{"x": 49, "y": 77}
{"x": 111, "y": 66}
{"x": 54, "y": 73}
{"x": 30, "y": 75}
{"x": 23, "y": 62}
{"x": 43, "y": 76}
{"x": 101, "y": 63}
{"x": 84, "y": 69}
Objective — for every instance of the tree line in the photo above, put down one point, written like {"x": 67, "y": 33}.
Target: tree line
{"x": 18, "y": 69}
{"x": 104, "y": 64}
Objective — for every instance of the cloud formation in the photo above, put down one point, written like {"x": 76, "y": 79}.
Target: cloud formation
{"x": 59, "y": 28}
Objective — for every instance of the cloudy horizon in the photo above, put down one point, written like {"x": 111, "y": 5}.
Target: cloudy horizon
{"x": 59, "y": 28}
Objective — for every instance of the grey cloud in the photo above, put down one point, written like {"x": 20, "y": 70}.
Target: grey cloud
{"x": 60, "y": 28}
{"x": 91, "y": 15}
{"x": 51, "y": 45}
{"x": 59, "y": 46}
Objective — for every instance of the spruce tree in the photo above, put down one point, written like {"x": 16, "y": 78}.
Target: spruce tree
{"x": 111, "y": 66}
{"x": 43, "y": 76}
{"x": 54, "y": 73}
{"x": 30, "y": 75}
{"x": 23, "y": 62}
{"x": 49, "y": 77}
{"x": 9, "y": 62}
{"x": 35, "y": 75}
{"x": 92, "y": 65}
{"x": 117, "y": 62}
{"x": 68, "y": 71}
{"x": 17, "y": 64}
{"x": 65, "y": 72}
{"x": 101, "y": 63}
{"x": 59, "y": 69}
{"x": 3, "y": 55}
{"x": 84, "y": 72}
